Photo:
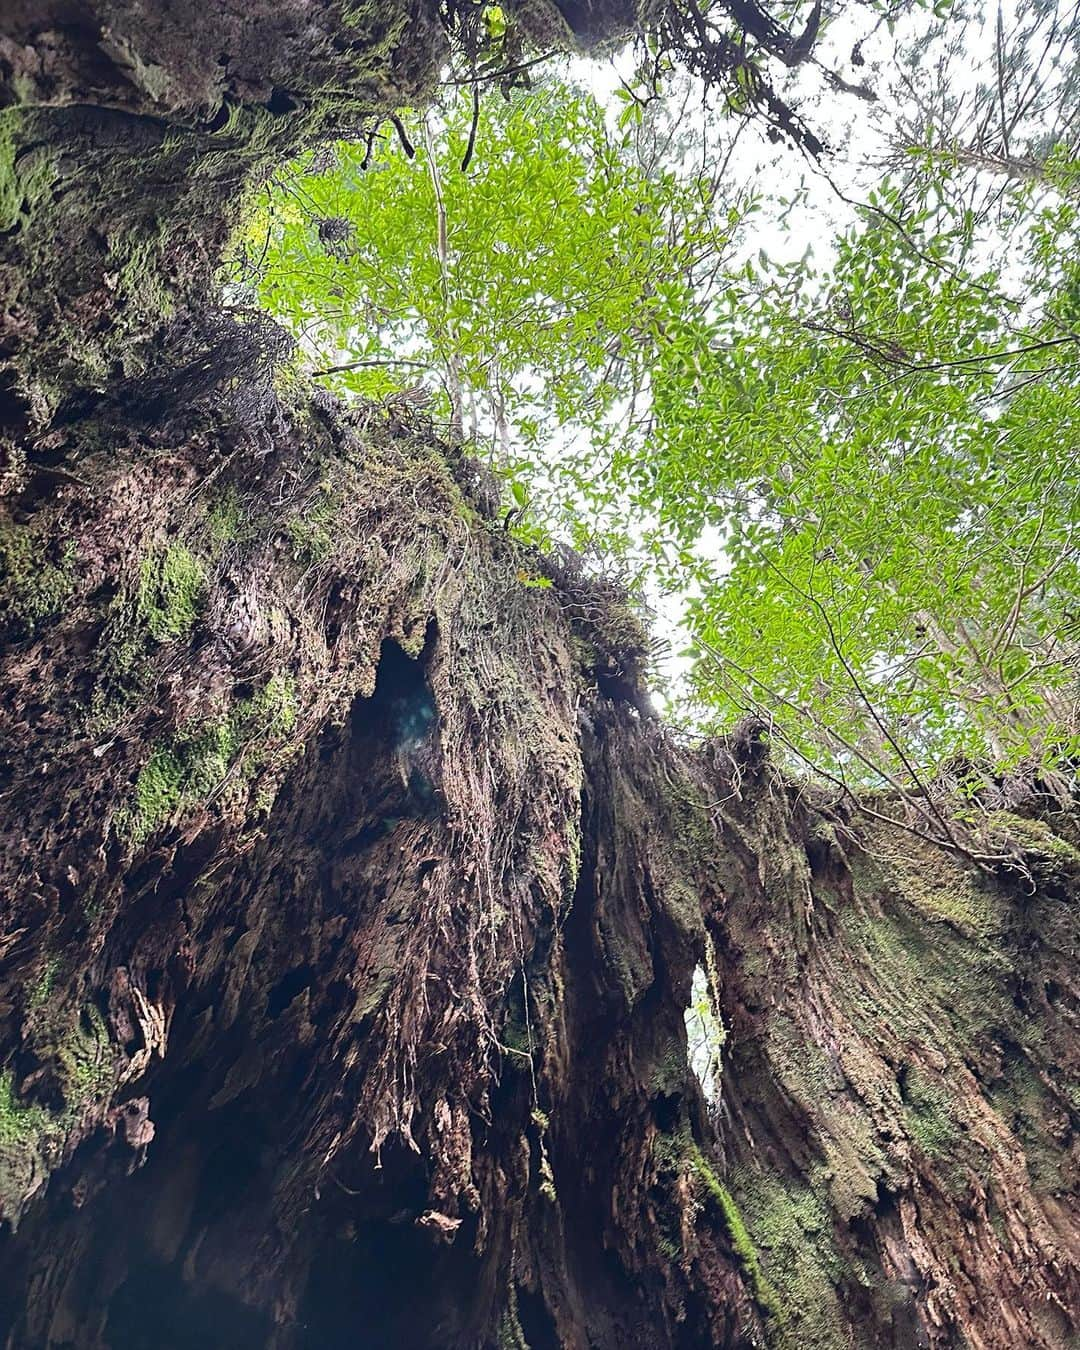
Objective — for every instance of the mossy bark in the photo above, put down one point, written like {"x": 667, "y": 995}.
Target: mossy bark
{"x": 129, "y": 135}
{"x": 351, "y": 897}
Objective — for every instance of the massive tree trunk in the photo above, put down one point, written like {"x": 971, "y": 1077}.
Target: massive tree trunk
{"x": 351, "y": 894}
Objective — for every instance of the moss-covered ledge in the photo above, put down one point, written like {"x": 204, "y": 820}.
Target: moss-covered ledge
{"x": 127, "y": 144}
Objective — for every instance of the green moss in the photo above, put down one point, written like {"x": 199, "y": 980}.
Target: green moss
{"x": 944, "y": 986}
{"x": 193, "y": 766}
{"x": 311, "y": 541}
{"x": 44, "y": 985}
{"x": 159, "y": 790}
{"x": 273, "y": 709}
{"x": 20, "y": 1122}
{"x": 939, "y": 888}
{"x": 32, "y": 1135}
{"x": 669, "y": 1075}
{"x": 677, "y": 1153}
{"x": 123, "y": 675}
{"x": 382, "y": 31}
{"x": 511, "y": 1335}
{"x": 1024, "y": 1103}
{"x": 312, "y": 533}
{"x": 741, "y": 1243}
{"x": 86, "y": 1062}
{"x": 134, "y": 271}
{"x": 1049, "y": 857}
{"x": 377, "y": 987}
{"x": 1035, "y": 834}
{"x": 32, "y": 588}
{"x": 926, "y": 1111}
{"x": 789, "y": 1225}
{"x": 516, "y": 1038}
{"x": 807, "y": 1072}
{"x": 24, "y": 179}
{"x": 688, "y": 812}
{"x": 195, "y": 177}
{"x": 171, "y": 587}
{"x": 224, "y": 518}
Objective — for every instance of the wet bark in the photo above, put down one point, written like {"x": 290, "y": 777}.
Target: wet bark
{"x": 351, "y": 895}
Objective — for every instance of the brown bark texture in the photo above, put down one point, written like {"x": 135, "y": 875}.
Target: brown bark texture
{"x": 350, "y": 893}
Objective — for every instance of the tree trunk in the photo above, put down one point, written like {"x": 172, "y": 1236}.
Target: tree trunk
{"x": 351, "y": 895}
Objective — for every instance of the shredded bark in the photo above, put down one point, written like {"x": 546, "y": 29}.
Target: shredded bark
{"x": 351, "y": 894}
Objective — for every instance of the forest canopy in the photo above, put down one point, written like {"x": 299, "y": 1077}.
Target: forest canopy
{"x": 827, "y": 424}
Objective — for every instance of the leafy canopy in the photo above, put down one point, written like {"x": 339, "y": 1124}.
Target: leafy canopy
{"x": 536, "y": 323}
{"x": 887, "y": 453}
{"x": 858, "y": 474}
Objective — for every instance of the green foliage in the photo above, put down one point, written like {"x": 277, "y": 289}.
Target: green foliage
{"x": 171, "y": 585}
{"x": 704, "y": 1036}
{"x": 521, "y": 299}
{"x": 859, "y": 476}
{"x": 886, "y": 453}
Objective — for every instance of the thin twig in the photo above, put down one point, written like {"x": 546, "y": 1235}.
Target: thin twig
{"x": 373, "y": 361}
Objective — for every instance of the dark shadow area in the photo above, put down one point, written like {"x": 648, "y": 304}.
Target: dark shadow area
{"x": 154, "y": 1310}
{"x": 380, "y": 1279}
{"x": 395, "y": 729}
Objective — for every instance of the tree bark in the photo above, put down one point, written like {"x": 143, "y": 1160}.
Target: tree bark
{"x": 351, "y": 894}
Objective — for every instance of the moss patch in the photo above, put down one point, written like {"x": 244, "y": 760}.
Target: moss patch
{"x": 134, "y": 271}
{"x": 20, "y": 1121}
{"x": 191, "y": 767}
{"x": 789, "y": 1226}
{"x": 1049, "y": 858}
{"x": 926, "y": 1110}
{"x": 742, "y": 1244}
{"x": 224, "y": 518}
{"x": 32, "y": 1136}
{"x": 85, "y": 1060}
{"x": 937, "y": 887}
{"x": 1022, "y": 1100}
{"x": 32, "y": 587}
{"x": 511, "y": 1333}
{"x": 312, "y": 533}
{"x": 677, "y": 1154}
{"x": 44, "y": 984}
{"x": 171, "y": 587}
{"x": 24, "y": 179}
